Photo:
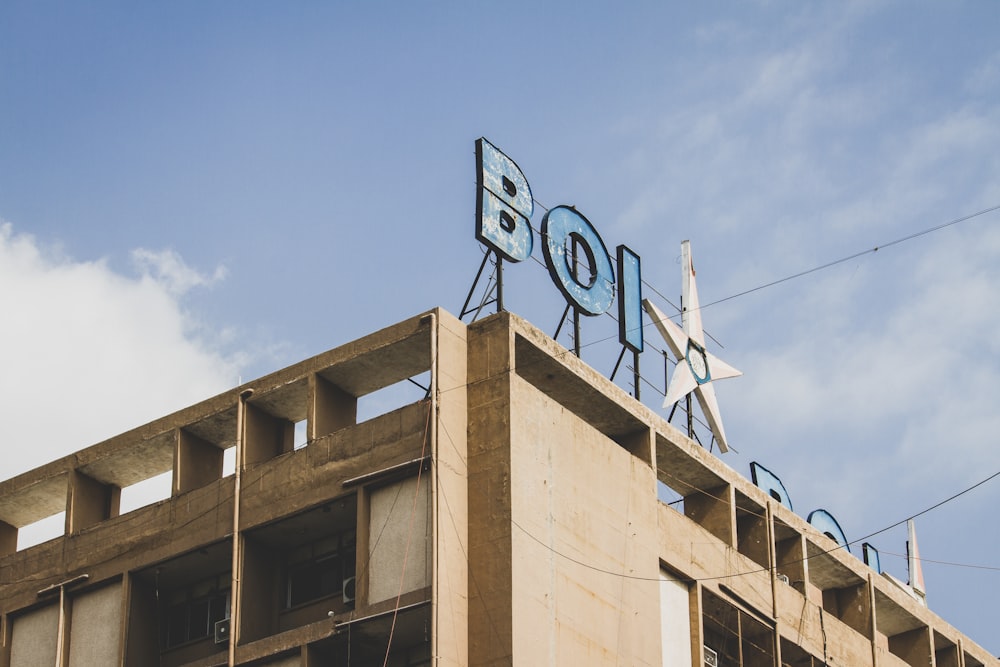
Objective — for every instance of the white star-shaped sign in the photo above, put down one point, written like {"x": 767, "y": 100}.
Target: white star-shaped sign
{"x": 696, "y": 367}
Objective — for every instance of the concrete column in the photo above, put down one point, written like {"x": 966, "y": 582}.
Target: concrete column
{"x": 267, "y": 436}
{"x": 913, "y": 646}
{"x": 89, "y": 502}
{"x": 946, "y": 656}
{"x": 754, "y": 538}
{"x": 258, "y": 615}
{"x": 641, "y": 444}
{"x": 8, "y": 539}
{"x": 852, "y": 605}
{"x": 197, "y": 462}
{"x": 142, "y": 643}
{"x": 712, "y": 509}
{"x": 697, "y": 625}
{"x": 491, "y": 358}
{"x": 790, "y": 557}
{"x": 332, "y": 408}
{"x": 449, "y": 491}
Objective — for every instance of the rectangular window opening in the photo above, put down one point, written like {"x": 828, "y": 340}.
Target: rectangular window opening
{"x": 320, "y": 569}
{"x": 394, "y": 396}
{"x": 669, "y": 497}
{"x": 229, "y": 462}
{"x": 193, "y": 611}
{"x": 41, "y": 531}
{"x": 146, "y": 492}
{"x": 301, "y": 438}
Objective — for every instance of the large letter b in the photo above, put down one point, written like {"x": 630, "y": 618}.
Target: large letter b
{"x": 504, "y": 204}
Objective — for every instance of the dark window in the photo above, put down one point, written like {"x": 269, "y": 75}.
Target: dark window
{"x": 319, "y": 569}
{"x": 192, "y": 612}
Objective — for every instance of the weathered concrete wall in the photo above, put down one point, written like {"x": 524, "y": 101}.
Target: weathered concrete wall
{"x": 538, "y": 537}
{"x": 33, "y": 640}
{"x": 399, "y": 554}
{"x": 490, "y": 613}
{"x": 450, "y": 495}
{"x": 95, "y": 629}
{"x": 585, "y": 567}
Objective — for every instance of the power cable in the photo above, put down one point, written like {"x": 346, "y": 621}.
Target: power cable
{"x": 800, "y": 274}
{"x": 807, "y": 272}
{"x": 941, "y": 562}
{"x": 409, "y": 535}
{"x": 875, "y": 249}
{"x": 759, "y": 570}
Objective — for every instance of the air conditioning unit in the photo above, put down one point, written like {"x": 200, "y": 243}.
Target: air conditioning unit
{"x": 711, "y": 658}
{"x": 222, "y": 631}
{"x": 349, "y": 590}
{"x": 784, "y": 578}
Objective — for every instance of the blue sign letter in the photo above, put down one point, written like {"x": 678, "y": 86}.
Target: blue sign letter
{"x": 629, "y": 300}
{"x": 872, "y": 559}
{"x": 504, "y": 205}
{"x": 824, "y": 522}
{"x": 769, "y": 483}
{"x": 565, "y": 233}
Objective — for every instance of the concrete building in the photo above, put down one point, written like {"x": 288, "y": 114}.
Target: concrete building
{"x": 510, "y": 517}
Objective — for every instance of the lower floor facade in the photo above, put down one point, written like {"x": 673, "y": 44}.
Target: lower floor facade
{"x": 511, "y": 512}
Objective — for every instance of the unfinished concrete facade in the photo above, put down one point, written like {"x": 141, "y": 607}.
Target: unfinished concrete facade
{"x": 509, "y": 517}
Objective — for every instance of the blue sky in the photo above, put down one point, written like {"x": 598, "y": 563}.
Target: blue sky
{"x": 192, "y": 193}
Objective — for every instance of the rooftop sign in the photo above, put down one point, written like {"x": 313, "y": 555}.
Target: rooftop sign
{"x": 570, "y": 243}
{"x": 696, "y": 367}
{"x": 580, "y": 267}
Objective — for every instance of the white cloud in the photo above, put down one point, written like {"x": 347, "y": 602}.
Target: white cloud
{"x": 799, "y": 157}
{"x": 88, "y": 353}
{"x": 167, "y": 268}
{"x": 897, "y": 367}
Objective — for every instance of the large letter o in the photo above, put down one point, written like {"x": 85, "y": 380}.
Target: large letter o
{"x": 593, "y": 291}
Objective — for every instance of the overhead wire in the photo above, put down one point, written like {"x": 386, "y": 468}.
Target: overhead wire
{"x": 409, "y": 534}
{"x": 747, "y": 572}
{"x": 861, "y": 253}
{"x": 897, "y": 241}
{"x": 940, "y": 562}
{"x": 454, "y": 523}
{"x": 759, "y": 570}
{"x": 740, "y": 294}
{"x": 800, "y": 274}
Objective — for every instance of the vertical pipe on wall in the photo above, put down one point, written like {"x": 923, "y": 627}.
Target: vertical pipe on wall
{"x": 435, "y": 494}
{"x": 61, "y": 630}
{"x": 234, "y": 591}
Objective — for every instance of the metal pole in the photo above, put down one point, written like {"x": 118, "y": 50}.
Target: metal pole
{"x": 234, "y": 592}
{"x": 576, "y": 332}
{"x": 576, "y": 311}
{"x": 690, "y": 417}
{"x": 635, "y": 372}
{"x": 479, "y": 274}
{"x": 499, "y": 283}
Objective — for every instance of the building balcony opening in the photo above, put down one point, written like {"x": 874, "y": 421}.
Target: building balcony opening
{"x": 794, "y": 656}
{"x": 320, "y": 569}
{"x": 394, "y": 396}
{"x": 299, "y": 569}
{"x": 398, "y": 638}
{"x": 735, "y": 637}
{"x": 192, "y": 612}
{"x": 179, "y": 609}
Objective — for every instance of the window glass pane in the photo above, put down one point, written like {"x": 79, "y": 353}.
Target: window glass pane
{"x": 177, "y": 625}
{"x": 217, "y": 611}
{"x": 198, "y": 620}
{"x": 330, "y": 561}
